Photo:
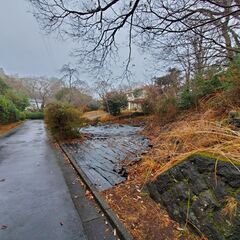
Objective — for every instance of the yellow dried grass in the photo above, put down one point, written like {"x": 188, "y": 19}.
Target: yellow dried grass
{"x": 230, "y": 208}
{"x": 186, "y": 138}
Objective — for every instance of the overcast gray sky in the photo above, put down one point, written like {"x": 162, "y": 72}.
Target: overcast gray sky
{"x": 27, "y": 51}
{"x": 24, "y": 49}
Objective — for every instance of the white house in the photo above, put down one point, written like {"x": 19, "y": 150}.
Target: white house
{"x": 135, "y": 99}
{"x": 34, "y": 104}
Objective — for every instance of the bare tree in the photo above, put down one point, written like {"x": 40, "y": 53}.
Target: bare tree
{"x": 70, "y": 78}
{"x": 98, "y": 22}
{"x": 190, "y": 52}
{"x": 40, "y": 90}
{"x": 103, "y": 87}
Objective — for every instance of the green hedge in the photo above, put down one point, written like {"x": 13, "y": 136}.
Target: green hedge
{"x": 3, "y": 86}
{"x": 20, "y": 100}
{"x": 8, "y": 111}
{"x": 34, "y": 115}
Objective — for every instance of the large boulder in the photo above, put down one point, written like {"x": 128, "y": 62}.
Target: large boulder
{"x": 205, "y": 193}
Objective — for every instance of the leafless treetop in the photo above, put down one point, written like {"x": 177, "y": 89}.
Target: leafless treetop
{"x": 98, "y": 23}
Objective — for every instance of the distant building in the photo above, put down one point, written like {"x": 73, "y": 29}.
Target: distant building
{"x": 34, "y": 104}
{"x": 135, "y": 99}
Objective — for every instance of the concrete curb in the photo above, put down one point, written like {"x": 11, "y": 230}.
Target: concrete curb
{"x": 12, "y": 131}
{"x": 111, "y": 216}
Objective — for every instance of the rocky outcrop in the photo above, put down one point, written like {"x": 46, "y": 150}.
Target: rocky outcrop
{"x": 204, "y": 192}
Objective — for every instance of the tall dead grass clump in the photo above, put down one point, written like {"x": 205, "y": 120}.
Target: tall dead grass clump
{"x": 184, "y": 138}
{"x": 230, "y": 208}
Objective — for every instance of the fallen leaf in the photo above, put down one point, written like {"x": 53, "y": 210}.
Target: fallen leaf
{"x": 2, "y": 226}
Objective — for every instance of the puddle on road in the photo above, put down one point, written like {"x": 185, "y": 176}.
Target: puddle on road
{"x": 100, "y": 157}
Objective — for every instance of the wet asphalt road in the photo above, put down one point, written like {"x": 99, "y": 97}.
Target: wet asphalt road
{"x": 35, "y": 203}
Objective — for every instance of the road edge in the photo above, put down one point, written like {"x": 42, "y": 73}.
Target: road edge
{"x": 12, "y": 131}
{"x": 122, "y": 232}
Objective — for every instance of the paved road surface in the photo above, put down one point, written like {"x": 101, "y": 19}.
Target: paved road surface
{"x": 35, "y": 203}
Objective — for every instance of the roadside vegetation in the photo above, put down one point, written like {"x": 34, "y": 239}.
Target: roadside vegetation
{"x": 183, "y": 119}
{"x": 216, "y": 89}
{"x": 115, "y": 102}
{"x": 63, "y": 120}
{"x": 26, "y": 98}
{"x": 12, "y": 104}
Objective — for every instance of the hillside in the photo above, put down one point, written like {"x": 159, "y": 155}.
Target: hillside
{"x": 192, "y": 132}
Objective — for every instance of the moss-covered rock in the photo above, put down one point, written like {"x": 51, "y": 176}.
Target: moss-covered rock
{"x": 197, "y": 191}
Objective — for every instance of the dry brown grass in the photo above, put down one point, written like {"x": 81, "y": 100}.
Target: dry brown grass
{"x": 95, "y": 114}
{"x": 6, "y": 128}
{"x": 185, "y": 138}
{"x": 230, "y": 208}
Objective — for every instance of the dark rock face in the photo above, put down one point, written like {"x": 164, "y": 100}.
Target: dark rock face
{"x": 201, "y": 186}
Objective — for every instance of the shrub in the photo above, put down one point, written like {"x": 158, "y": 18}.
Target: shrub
{"x": 208, "y": 86}
{"x": 20, "y": 100}
{"x": 232, "y": 75}
{"x": 164, "y": 104}
{"x": 93, "y": 106}
{"x": 115, "y": 102}
{"x": 8, "y": 111}
{"x": 147, "y": 107}
{"x": 166, "y": 108}
{"x": 151, "y": 98}
{"x": 233, "y": 71}
{"x": 3, "y": 87}
{"x": 34, "y": 115}
{"x": 227, "y": 91}
{"x": 187, "y": 99}
{"x": 62, "y": 120}
{"x": 22, "y": 116}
